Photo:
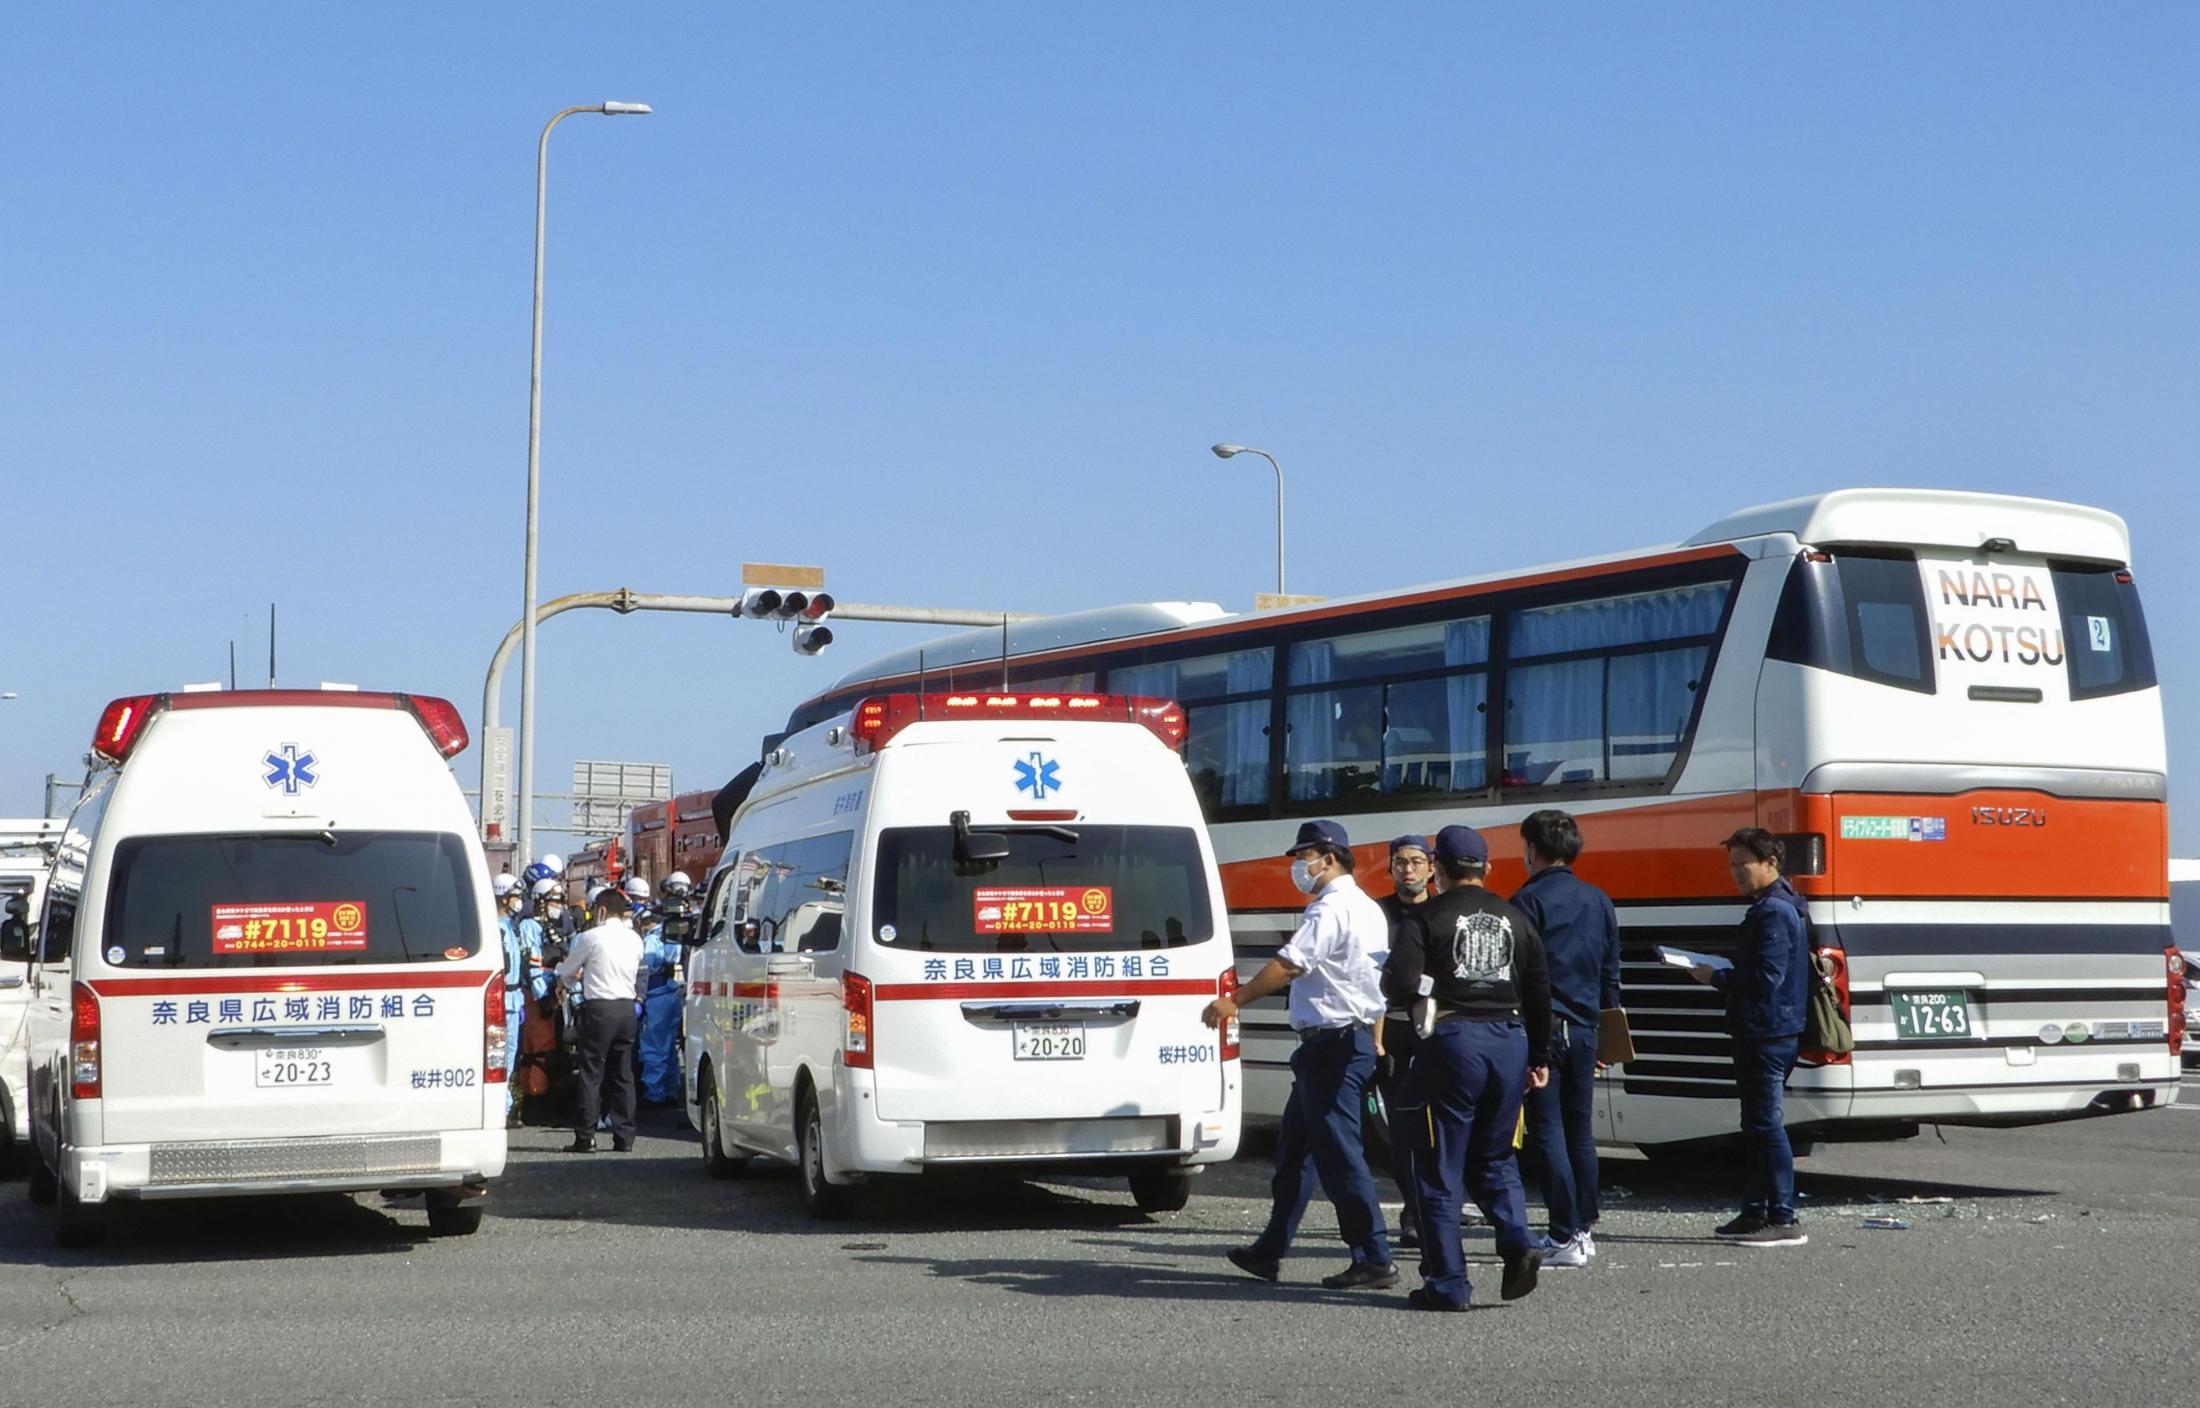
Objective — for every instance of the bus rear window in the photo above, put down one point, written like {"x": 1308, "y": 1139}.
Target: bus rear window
{"x": 1859, "y": 614}
{"x": 2104, "y": 634}
{"x": 328, "y": 898}
{"x": 1113, "y": 888}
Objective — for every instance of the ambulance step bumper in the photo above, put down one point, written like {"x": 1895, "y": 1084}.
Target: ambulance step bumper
{"x": 981, "y": 1141}
{"x": 272, "y": 1161}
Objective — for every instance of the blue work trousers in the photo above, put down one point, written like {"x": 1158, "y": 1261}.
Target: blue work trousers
{"x": 1768, "y": 1160}
{"x": 1562, "y": 1121}
{"x": 1466, "y": 1085}
{"x": 1320, "y": 1141}
{"x": 515, "y": 1016}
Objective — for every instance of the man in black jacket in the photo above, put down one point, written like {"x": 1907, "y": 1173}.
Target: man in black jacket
{"x": 1479, "y": 965}
{"x": 1412, "y": 874}
{"x": 1580, "y": 933}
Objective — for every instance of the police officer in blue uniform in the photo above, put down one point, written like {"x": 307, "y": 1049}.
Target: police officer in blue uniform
{"x": 1470, "y": 967}
{"x": 510, "y": 896}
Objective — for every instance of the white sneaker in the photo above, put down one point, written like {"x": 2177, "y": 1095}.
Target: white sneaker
{"x": 1546, "y": 1246}
{"x": 1571, "y": 1253}
{"x": 1588, "y": 1242}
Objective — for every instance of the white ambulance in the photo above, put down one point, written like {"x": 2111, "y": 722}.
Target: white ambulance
{"x": 26, "y": 855}
{"x": 959, "y": 929}
{"x": 266, "y": 961}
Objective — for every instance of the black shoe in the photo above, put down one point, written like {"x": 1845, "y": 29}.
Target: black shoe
{"x": 1774, "y": 1234}
{"x": 1420, "y": 1299}
{"x": 1520, "y": 1272}
{"x": 1742, "y": 1226}
{"x": 1252, "y": 1263}
{"x": 581, "y": 1146}
{"x": 1363, "y": 1275}
{"x": 618, "y": 1148}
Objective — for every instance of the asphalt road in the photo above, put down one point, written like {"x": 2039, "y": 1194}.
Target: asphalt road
{"x": 2051, "y": 1265}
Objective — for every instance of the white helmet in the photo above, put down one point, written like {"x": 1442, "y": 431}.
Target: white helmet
{"x": 555, "y": 861}
{"x": 636, "y": 887}
{"x": 677, "y": 883}
{"x": 548, "y": 889}
{"x": 504, "y": 884}
{"x": 595, "y": 893}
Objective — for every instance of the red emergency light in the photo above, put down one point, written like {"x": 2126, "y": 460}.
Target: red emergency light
{"x": 881, "y": 716}
{"x": 122, "y": 723}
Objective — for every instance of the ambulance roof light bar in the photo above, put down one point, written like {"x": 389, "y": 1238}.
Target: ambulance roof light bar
{"x": 880, "y": 716}
{"x": 122, "y": 722}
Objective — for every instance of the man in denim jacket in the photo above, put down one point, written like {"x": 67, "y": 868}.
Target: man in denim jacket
{"x": 1767, "y": 992}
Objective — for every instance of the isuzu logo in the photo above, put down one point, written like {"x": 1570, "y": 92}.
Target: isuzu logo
{"x": 2008, "y": 816}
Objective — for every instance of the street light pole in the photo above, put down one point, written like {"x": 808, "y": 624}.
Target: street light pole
{"x": 534, "y": 462}
{"x": 1227, "y": 451}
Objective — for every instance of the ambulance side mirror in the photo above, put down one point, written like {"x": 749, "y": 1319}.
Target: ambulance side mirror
{"x": 15, "y": 941}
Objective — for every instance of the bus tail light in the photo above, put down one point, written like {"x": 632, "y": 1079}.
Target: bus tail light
{"x": 855, "y": 1001}
{"x": 1837, "y": 973}
{"x": 496, "y": 1037}
{"x": 83, "y": 1043}
{"x": 1232, "y": 1033}
{"x": 2174, "y": 963}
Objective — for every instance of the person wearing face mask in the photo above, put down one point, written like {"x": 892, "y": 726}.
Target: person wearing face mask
{"x": 1333, "y": 967}
{"x": 1412, "y": 872}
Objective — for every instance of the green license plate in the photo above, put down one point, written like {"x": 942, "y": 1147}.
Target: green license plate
{"x": 1932, "y": 1016}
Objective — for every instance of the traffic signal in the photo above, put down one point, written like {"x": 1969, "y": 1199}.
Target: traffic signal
{"x": 811, "y": 637}
{"x": 761, "y": 603}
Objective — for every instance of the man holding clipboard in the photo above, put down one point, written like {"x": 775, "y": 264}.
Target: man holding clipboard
{"x": 1580, "y": 932}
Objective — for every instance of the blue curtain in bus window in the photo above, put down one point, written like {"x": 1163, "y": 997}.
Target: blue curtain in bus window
{"x": 1673, "y": 614}
{"x": 1310, "y": 726}
{"x": 1159, "y": 681}
{"x": 1467, "y": 720}
{"x": 1649, "y": 701}
{"x": 1245, "y": 729}
{"x": 1554, "y": 723}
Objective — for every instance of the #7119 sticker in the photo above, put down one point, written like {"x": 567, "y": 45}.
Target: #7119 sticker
{"x": 1044, "y": 909}
{"x": 321, "y": 926}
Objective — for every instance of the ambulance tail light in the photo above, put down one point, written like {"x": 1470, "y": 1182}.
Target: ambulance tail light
{"x": 83, "y": 1043}
{"x": 2174, "y": 963}
{"x": 445, "y": 727}
{"x": 1232, "y": 1034}
{"x": 881, "y": 716}
{"x": 1837, "y": 973}
{"x": 855, "y": 1002}
{"x": 122, "y": 723}
{"x": 496, "y": 1037}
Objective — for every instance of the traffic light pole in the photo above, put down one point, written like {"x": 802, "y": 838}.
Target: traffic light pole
{"x": 626, "y": 601}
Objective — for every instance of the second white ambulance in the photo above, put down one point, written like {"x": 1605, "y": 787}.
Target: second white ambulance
{"x": 959, "y": 929}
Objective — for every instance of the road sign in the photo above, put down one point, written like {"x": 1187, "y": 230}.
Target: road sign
{"x": 496, "y": 800}
{"x": 780, "y": 574}
{"x": 603, "y": 793}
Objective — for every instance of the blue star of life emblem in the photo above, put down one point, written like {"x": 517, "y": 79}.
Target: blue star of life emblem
{"x": 290, "y": 769}
{"x": 1038, "y": 775}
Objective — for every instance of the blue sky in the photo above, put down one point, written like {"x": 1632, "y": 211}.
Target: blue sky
{"x": 952, "y": 299}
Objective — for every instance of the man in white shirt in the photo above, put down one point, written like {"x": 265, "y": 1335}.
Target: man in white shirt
{"x": 605, "y": 965}
{"x": 1333, "y": 966}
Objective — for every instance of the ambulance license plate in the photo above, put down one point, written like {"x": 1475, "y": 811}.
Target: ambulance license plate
{"x": 293, "y": 1065}
{"x": 1052, "y": 1041}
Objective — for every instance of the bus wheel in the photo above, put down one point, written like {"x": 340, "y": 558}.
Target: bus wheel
{"x": 1161, "y": 1189}
{"x": 827, "y": 1202}
{"x": 716, "y": 1161}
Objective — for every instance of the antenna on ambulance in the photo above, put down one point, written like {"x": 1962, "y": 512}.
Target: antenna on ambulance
{"x": 1004, "y": 652}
